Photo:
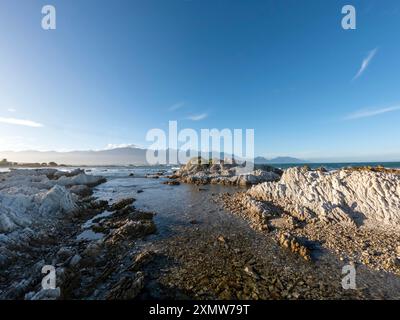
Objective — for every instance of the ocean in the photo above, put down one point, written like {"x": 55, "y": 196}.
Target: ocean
{"x": 337, "y": 165}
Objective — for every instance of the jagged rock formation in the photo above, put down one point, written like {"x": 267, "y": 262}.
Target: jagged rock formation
{"x": 107, "y": 267}
{"x": 288, "y": 241}
{"x": 223, "y": 173}
{"x": 353, "y": 213}
{"x": 347, "y": 196}
{"x": 257, "y": 212}
{"x": 27, "y": 196}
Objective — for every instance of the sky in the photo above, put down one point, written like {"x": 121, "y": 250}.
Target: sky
{"x": 113, "y": 70}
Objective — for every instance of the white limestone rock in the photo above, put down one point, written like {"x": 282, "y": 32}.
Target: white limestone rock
{"x": 341, "y": 196}
{"x": 29, "y": 195}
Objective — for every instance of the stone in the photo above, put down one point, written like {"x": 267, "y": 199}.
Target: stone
{"x": 141, "y": 259}
{"x": 127, "y": 288}
{"x": 131, "y": 230}
{"x": 124, "y": 211}
{"x": 141, "y": 215}
{"x": 45, "y": 294}
{"x": 172, "y": 183}
{"x": 76, "y": 259}
{"x": 81, "y": 190}
{"x": 221, "y": 239}
{"x": 99, "y": 204}
{"x": 288, "y": 241}
{"x": 120, "y": 204}
{"x": 64, "y": 253}
{"x": 93, "y": 249}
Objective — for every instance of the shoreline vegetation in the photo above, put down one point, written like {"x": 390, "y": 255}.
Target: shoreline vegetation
{"x": 4, "y": 163}
{"x": 291, "y": 231}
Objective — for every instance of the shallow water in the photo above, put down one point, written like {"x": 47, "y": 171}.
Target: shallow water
{"x": 89, "y": 235}
{"x": 173, "y": 205}
{"x": 88, "y": 224}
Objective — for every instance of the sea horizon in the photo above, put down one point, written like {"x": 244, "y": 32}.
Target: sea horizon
{"x": 312, "y": 165}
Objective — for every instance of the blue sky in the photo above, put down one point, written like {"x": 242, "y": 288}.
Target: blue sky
{"x": 112, "y": 70}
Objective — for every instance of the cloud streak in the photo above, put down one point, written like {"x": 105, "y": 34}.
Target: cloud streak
{"x": 370, "y": 112}
{"x": 198, "y": 117}
{"x": 21, "y": 122}
{"x": 365, "y": 63}
{"x": 176, "y": 106}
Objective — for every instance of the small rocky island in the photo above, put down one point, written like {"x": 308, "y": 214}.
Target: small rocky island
{"x": 226, "y": 172}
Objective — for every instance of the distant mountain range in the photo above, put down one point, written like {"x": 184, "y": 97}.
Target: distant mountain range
{"x": 262, "y": 160}
{"x": 116, "y": 156}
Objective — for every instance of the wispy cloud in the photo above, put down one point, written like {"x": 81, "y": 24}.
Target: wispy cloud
{"x": 21, "y": 122}
{"x": 370, "y": 112}
{"x": 176, "y": 106}
{"x": 198, "y": 117}
{"x": 365, "y": 63}
{"x": 12, "y": 110}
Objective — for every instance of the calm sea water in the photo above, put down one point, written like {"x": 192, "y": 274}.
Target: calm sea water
{"x": 337, "y": 165}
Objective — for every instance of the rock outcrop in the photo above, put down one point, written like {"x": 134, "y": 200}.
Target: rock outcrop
{"x": 27, "y": 196}
{"x": 222, "y": 173}
{"x": 288, "y": 241}
{"x": 346, "y": 196}
{"x": 104, "y": 267}
{"x": 352, "y": 213}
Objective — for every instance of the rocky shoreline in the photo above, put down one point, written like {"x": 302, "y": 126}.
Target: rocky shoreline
{"x": 106, "y": 268}
{"x": 285, "y": 235}
{"x": 352, "y": 213}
